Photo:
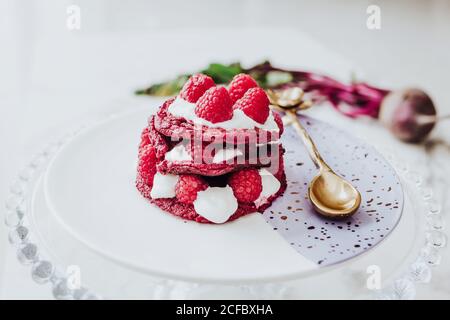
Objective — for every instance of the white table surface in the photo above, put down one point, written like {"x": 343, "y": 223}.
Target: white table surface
{"x": 53, "y": 78}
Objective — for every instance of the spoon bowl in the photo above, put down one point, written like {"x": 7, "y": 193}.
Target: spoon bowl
{"x": 333, "y": 196}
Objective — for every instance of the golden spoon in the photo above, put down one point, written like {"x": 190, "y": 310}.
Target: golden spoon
{"x": 331, "y": 195}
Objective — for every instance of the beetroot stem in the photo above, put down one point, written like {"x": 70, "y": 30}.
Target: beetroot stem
{"x": 353, "y": 100}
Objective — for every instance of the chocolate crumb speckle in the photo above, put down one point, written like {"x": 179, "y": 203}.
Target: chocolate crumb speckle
{"x": 367, "y": 171}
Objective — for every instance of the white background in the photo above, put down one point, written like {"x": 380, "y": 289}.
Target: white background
{"x": 51, "y": 77}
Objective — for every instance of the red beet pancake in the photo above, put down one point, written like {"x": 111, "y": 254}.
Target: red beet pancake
{"x": 187, "y": 211}
{"x": 202, "y": 155}
{"x": 180, "y": 128}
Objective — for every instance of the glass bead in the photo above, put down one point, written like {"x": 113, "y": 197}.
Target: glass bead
{"x": 14, "y": 217}
{"x": 436, "y": 238}
{"x": 415, "y": 177}
{"x": 420, "y": 272}
{"x": 431, "y": 255}
{"x": 385, "y": 295}
{"x": 435, "y": 221}
{"x": 61, "y": 290}
{"x": 404, "y": 289}
{"x": 17, "y": 188}
{"x": 26, "y": 173}
{"x": 42, "y": 271}
{"x": 434, "y": 207}
{"x": 37, "y": 161}
{"x": 90, "y": 296}
{"x": 13, "y": 202}
{"x": 18, "y": 235}
{"x": 27, "y": 253}
{"x": 426, "y": 193}
{"x": 79, "y": 293}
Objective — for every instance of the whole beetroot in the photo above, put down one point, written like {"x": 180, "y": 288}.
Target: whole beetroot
{"x": 409, "y": 114}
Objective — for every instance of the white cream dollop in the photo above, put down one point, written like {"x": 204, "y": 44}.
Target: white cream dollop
{"x": 270, "y": 186}
{"x": 184, "y": 109}
{"x": 178, "y": 153}
{"x": 163, "y": 186}
{"x": 217, "y": 204}
{"x": 226, "y": 154}
{"x": 275, "y": 142}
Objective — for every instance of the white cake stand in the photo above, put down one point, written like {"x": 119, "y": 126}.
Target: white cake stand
{"x": 76, "y": 217}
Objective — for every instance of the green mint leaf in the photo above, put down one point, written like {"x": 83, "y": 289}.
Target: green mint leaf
{"x": 222, "y": 73}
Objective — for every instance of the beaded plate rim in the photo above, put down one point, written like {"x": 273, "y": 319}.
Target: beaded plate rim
{"x": 44, "y": 270}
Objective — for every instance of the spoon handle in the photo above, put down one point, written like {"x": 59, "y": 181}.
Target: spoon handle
{"x": 309, "y": 143}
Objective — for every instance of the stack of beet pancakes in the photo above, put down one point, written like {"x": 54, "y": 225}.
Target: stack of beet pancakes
{"x": 213, "y": 154}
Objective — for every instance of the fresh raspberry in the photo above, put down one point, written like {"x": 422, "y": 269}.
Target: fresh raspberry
{"x": 195, "y": 87}
{"x": 255, "y": 104}
{"x": 147, "y": 164}
{"x": 188, "y": 186}
{"x": 145, "y": 140}
{"x": 239, "y": 86}
{"x": 279, "y": 122}
{"x": 246, "y": 185}
{"x": 215, "y": 105}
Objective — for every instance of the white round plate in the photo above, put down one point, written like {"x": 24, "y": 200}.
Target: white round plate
{"x": 89, "y": 188}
